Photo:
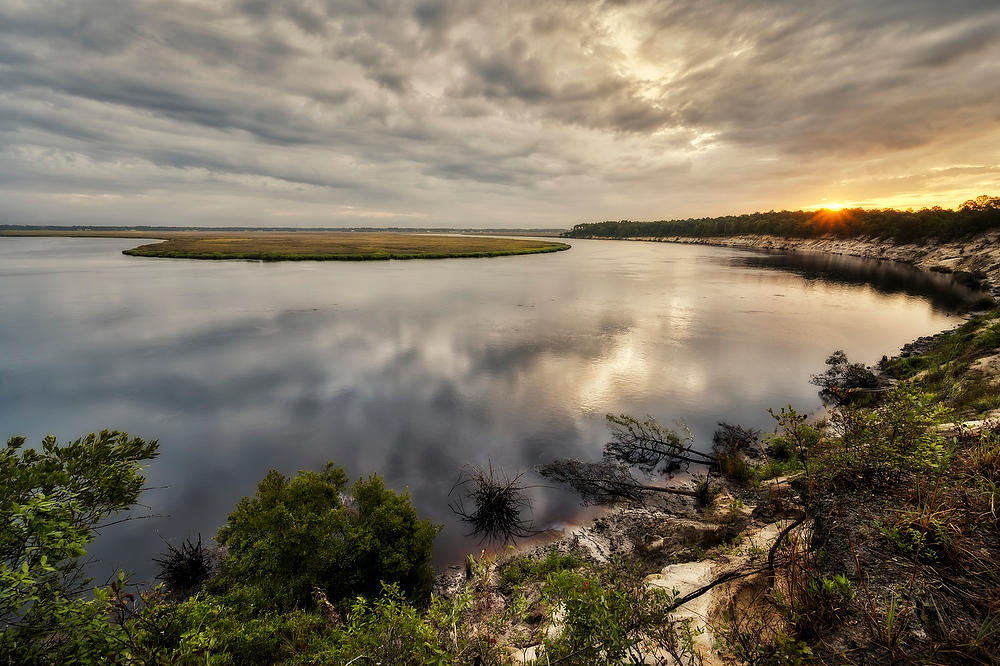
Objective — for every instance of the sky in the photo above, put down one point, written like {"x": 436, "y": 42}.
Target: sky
{"x": 342, "y": 113}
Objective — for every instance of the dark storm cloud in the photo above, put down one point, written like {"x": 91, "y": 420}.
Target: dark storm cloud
{"x": 485, "y": 113}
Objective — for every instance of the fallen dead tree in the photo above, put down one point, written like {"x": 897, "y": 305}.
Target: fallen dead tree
{"x": 605, "y": 482}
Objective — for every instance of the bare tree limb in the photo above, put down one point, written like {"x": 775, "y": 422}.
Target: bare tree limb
{"x": 603, "y": 482}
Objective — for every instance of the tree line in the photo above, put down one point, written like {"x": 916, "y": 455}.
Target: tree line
{"x": 972, "y": 217}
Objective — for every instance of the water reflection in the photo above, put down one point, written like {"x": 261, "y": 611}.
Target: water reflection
{"x": 887, "y": 277}
{"x": 409, "y": 369}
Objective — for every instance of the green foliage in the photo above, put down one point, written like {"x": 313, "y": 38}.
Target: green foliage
{"x": 208, "y": 630}
{"x": 704, "y": 492}
{"x": 808, "y": 435}
{"x": 918, "y": 541}
{"x": 780, "y": 447}
{"x": 797, "y": 435}
{"x": 298, "y": 533}
{"x": 899, "y": 225}
{"x": 775, "y": 468}
{"x": 820, "y": 603}
{"x": 735, "y": 467}
{"x": 386, "y": 629}
{"x": 944, "y": 366}
{"x": 838, "y": 587}
{"x": 389, "y": 631}
{"x": 877, "y": 446}
{"x": 848, "y": 383}
{"x": 51, "y": 502}
{"x": 521, "y": 570}
{"x": 751, "y": 637}
{"x": 609, "y": 616}
{"x": 984, "y": 461}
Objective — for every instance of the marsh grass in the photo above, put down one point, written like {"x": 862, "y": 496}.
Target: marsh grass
{"x": 316, "y": 246}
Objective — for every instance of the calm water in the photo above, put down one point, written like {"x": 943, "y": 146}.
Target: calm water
{"x": 413, "y": 369}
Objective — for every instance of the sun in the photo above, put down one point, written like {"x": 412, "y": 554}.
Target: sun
{"x": 831, "y": 217}
{"x": 832, "y": 206}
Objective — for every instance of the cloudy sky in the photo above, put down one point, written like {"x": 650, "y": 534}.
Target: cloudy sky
{"x": 489, "y": 114}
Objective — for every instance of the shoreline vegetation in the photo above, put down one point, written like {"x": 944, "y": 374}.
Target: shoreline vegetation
{"x": 972, "y": 217}
{"x": 963, "y": 242}
{"x": 309, "y": 246}
{"x": 870, "y": 534}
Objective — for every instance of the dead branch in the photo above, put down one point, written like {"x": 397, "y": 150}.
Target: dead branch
{"x": 648, "y": 445}
{"x": 603, "y": 482}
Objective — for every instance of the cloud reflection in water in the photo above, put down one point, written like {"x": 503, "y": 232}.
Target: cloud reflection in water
{"x": 408, "y": 369}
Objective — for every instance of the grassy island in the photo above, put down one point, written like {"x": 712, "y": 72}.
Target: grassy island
{"x": 313, "y": 246}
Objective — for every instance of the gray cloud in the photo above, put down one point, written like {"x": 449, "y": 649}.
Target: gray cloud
{"x": 486, "y": 114}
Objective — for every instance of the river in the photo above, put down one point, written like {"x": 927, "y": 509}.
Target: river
{"x": 412, "y": 369}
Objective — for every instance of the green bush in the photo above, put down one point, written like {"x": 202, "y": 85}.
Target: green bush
{"x": 388, "y": 631}
{"x": 208, "y": 630}
{"x": 611, "y": 616}
{"x": 780, "y": 447}
{"x": 51, "y": 502}
{"x": 775, "y": 468}
{"x": 524, "y": 569}
{"x": 878, "y": 446}
{"x": 704, "y": 492}
{"x": 294, "y": 534}
{"x": 734, "y": 466}
{"x": 927, "y": 541}
{"x": 984, "y": 303}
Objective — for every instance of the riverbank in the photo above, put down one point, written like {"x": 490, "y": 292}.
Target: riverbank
{"x": 856, "y": 548}
{"x": 977, "y": 257}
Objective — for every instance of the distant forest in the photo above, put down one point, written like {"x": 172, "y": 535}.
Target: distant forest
{"x": 972, "y": 217}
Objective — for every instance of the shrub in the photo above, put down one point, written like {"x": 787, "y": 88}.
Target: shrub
{"x": 524, "y": 569}
{"x": 729, "y": 437}
{"x": 775, "y": 468}
{"x": 984, "y": 303}
{"x": 878, "y": 446}
{"x": 388, "y": 631}
{"x": 51, "y": 502}
{"x": 297, "y": 533}
{"x": 704, "y": 492}
{"x": 207, "y": 630}
{"x": 780, "y": 447}
{"x": 734, "y": 466}
{"x": 611, "y": 616}
{"x": 845, "y": 382}
{"x": 918, "y": 540}
{"x": 984, "y": 460}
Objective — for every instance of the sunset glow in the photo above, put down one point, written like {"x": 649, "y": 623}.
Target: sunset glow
{"x": 828, "y": 219}
{"x": 476, "y": 115}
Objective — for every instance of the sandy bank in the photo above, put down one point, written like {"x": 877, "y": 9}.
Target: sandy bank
{"x": 980, "y": 254}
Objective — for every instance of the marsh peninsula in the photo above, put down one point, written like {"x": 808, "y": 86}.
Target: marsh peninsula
{"x": 311, "y": 246}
